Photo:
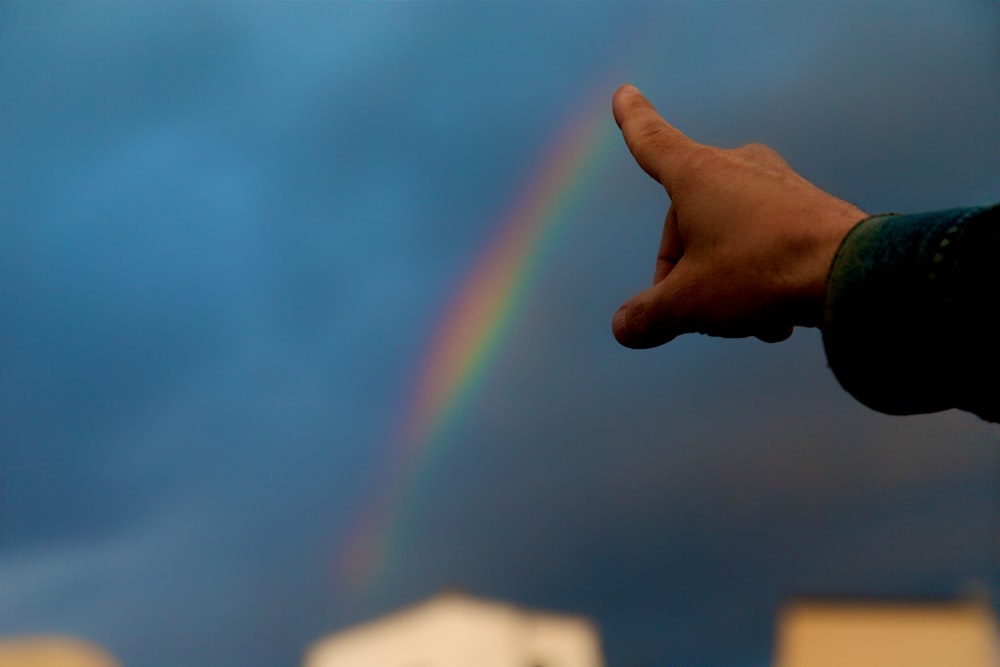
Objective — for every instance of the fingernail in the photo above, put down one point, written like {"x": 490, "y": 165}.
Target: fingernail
{"x": 629, "y": 89}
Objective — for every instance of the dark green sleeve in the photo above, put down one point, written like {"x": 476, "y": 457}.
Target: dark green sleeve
{"x": 911, "y": 318}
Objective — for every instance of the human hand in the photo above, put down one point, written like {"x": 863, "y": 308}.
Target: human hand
{"x": 747, "y": 242}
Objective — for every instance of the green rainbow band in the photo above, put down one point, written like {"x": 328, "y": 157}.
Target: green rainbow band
{"x": 469, "y": 336}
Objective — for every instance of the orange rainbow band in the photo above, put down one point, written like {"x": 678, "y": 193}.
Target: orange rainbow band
{"x": 470, "y": 333}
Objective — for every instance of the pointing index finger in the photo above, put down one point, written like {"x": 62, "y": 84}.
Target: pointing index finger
{"x": 658, "y": 147}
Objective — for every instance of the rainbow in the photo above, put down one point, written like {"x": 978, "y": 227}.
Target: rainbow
{"x": 469, "y": 335}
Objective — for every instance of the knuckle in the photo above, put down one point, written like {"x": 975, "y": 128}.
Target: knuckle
{"x": 757, "y": 147}
{"x": 761, "y": 153}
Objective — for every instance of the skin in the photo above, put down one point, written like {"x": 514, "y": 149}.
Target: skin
{"x": 747, "y": 242}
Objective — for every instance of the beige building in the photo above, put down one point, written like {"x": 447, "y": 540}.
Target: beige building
{"x": 845, "y": 633}
{"x": 454, "y": 630}
{"x": 52, "y": 652}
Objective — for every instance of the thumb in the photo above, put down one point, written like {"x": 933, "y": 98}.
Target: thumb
{"x": 654, "y": 316}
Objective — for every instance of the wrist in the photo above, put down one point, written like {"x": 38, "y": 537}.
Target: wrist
{"x": 825, "y": 245}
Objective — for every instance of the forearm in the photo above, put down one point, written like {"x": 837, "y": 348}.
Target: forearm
{"x": 910, "y": 320}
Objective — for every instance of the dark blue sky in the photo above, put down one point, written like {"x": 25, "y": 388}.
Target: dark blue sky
{"x": 227, "y": 231}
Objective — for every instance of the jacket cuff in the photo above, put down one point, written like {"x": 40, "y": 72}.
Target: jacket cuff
{"x": 908, "y": 319}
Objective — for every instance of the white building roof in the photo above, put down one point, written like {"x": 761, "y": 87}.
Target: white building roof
{"x": 44, "y": 651}
{"x": 455, "y": 630}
